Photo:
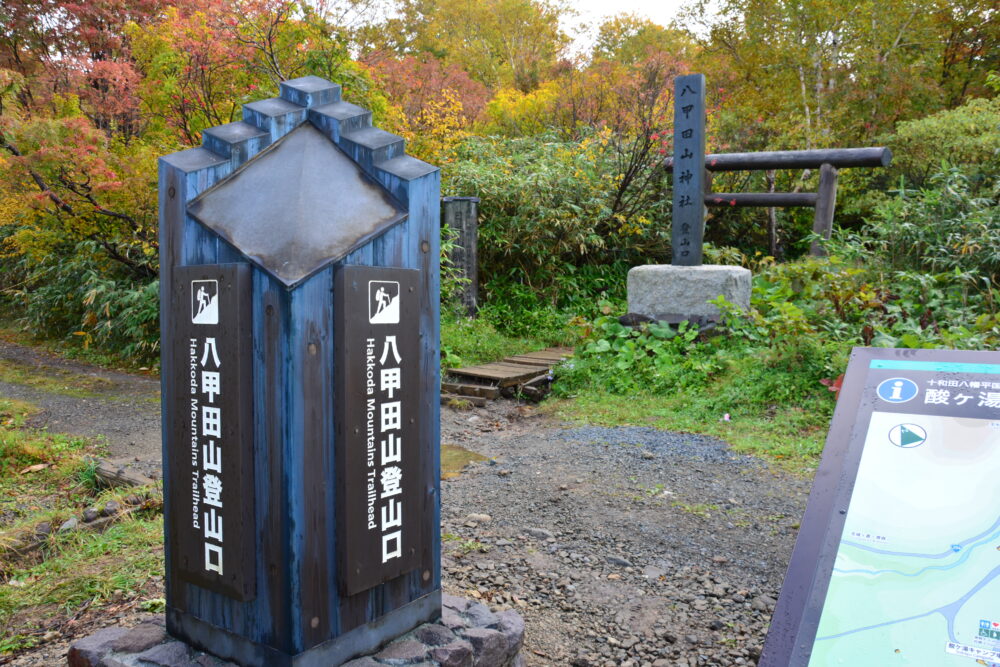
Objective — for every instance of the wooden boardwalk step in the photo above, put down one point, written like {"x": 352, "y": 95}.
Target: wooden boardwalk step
{"x": 505, "y": 374}
{"x": 477, "y": 401}
{"x": 556, "y": 353}
{"x": 486, "y": 380}
{"x": 529, "y": 361}
{"x": 464, "y": 389}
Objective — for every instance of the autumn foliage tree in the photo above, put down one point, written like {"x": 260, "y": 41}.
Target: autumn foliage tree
{"x": 566, "y": 144}
{"x": 90, "y": 95}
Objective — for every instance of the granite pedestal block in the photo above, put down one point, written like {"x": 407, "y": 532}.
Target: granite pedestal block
{"x": 673, "y": 293}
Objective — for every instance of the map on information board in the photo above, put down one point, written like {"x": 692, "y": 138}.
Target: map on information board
{"x": 907, "y": 570}
{"x": 927, "y": 588}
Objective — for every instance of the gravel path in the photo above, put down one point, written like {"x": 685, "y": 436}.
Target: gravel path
{"x": 620, "y": 546}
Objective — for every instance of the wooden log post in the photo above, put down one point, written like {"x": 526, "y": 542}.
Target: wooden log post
{"x": 826, "y": 202}
{"x": 462, "y": 215}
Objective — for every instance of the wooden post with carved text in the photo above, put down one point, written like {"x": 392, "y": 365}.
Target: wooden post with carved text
{"x": 689, "y": 174}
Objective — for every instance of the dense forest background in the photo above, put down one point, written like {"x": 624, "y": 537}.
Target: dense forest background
{"x": 563, "y": 148}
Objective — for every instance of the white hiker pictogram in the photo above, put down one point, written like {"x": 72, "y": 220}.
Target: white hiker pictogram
{"x": 382, "y": 298}
{"x": 383, "y": 302}
{"x": 204, "y": 301}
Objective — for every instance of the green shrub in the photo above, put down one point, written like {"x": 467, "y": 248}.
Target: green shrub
{"x": 967, "y": 136}
{"x": 952, "y": 225}
{"x": 76, "y": 295}
{"x": 546, "y": 213}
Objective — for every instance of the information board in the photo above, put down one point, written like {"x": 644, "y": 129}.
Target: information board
{"x": 210, "y": 501}
{"x": 381, "y": 498}
{"x": 898, "y": 561}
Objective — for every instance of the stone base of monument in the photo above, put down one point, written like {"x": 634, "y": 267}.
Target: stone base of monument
{"x": 468, "y": 634}
{"x": 671, "y": 293}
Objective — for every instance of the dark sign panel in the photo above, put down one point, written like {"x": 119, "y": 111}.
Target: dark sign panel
{"x": 380, "y": 497}
{"x": 898, "y": 560}
{"x": 210, "y": 451}
{"x": 689, "y": 170}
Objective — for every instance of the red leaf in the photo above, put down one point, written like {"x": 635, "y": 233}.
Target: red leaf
{"x": 834, "y": 385}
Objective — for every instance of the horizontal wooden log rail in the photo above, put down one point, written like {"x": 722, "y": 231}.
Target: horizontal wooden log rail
{"x": 810, "y": 159}
{"x": 761, "y": 199}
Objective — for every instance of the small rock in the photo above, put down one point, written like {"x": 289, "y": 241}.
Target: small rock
{"x": 512, "y": 627}
{"x": 363, "y": 662}
{"x": 452, "y": 620}
{"x": 111, "y": 508}
{"x": 481, "y": 616}
{"x": 720, "y": 560}
{"x": 614, "y": 576}
{"x": 90, "y": 514}
{"x": 489, "y": 646}
{"x": 455, "y": 654}
{"x": 480, "y": 518}
{"x": 503, "y": 473}
{"x": 407, "y": 650}
{"x": 455, "y": 602}
{"x": 667, "y": 636}
{"x": 89, "y": 651}
{"x": 619, "y": 562}
{"x": 43, "y": 529}
{"x": 171, "y": 654}
{"x": 716, "y": 625}
{"x": 648, "y": 456}
{"x": 539, "y": 533}
{"x": 69, "y": 524}
{"x": 433, "y": 634}
{"x": 140, "y": 638}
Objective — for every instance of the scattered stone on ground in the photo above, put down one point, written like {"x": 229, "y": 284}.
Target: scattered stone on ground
{"x": 619, "y": 546}
{"x": 145, "y": 645}
{"x": 468, "y": 634}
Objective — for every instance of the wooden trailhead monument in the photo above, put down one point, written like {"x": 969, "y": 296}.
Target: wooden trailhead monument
{"x": 300, "y": 378}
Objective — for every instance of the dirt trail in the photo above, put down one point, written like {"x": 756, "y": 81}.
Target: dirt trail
{"x": 81, "y": 399}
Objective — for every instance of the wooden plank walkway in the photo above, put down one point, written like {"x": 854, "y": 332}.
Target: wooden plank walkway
{"x": 487, "y": 381}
